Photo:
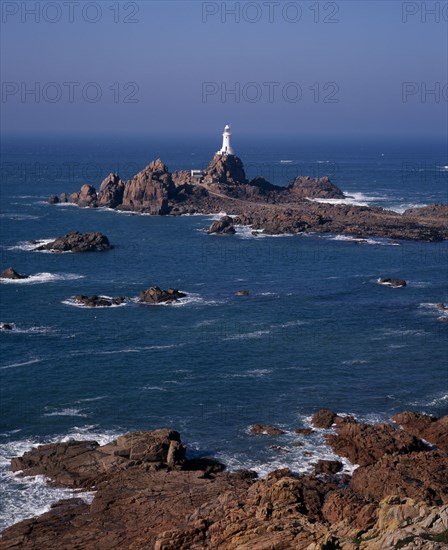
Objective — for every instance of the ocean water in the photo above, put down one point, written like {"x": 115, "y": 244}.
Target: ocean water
{"x": 316, "y": 330}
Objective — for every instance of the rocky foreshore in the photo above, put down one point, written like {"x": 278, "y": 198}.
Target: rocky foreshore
{"x": 150, "y": 495}
{"x": 265, "y": 207}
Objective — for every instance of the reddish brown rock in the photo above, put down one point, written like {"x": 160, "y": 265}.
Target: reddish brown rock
{"x": 366, "y": 443}
{"x": 345, "y": 505}
{"x": 111, "y": 192}
{"x": 228, "y": 169}
{"x": 150, "y": 190}
{"x": 323, "y": 418}
{"x": 418, "y": 475}
{"x": 434, "y": 430}
{"x": 86, "y": 197}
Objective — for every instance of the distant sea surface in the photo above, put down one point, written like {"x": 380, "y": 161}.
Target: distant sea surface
{"x": 316, "y": 330}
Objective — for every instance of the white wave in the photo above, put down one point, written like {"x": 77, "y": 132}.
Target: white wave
{"x": 66, "y": 412}
{"x": 18, "y": 217}
{"x": 21, "y": 364}
{"x": 30, "y": 247}
{"x": 355, "y": 362}
{"x": 72, "y": 302}
{"x": 26, "y": 497}
{"x": 192, "y": 298}
{"x": 40, "y": 278}
{"x": 357, "y": 199}
{"x": 399, "y": 209}
{"x": 249, "y": 335}
{"x": 253, "y": 373}
{"x": 21, "y": 330}
{"x": 246, "y": 232}
{"x": 438, "y": 400}
{"x": 132, "y": 350}
{"x": 358, "y": 240}
{"x": 436, "y": 308}
{"x": 154, "y": 388}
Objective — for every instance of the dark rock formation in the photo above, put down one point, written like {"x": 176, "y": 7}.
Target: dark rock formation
{"x": 323, "y": 418}
{"x": 423, "y": 426}
{"x": 78, "y": 242}
{"x": 111, "y": 192}
{"x": 7, "y": 326}
{"x": 242, "y": 293}
{"x": 329, "y": 467}
{"x": 53, "y": 199}
{"x": 223, "y": 226}
{"x": 150, "y": 190}
{"x": 227, "y": 169}
{"x": 10, "y": 273}
{"x": 155, "y": 295}
{"x": 266, "y": 429}
{"x": 322, "y": 188}
{"x": 98, "y": 301}
{"x": 264, "y": 184}
{"x": 86, "y": 197}
{"x": 394, "y": 283}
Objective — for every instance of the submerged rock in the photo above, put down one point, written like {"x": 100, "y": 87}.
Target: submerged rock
{"x": 10, "y": 273}
{"x": 7, "y": 326}
{"x": 394, "y": 283}
{"x": 155, "y": 295}
{"x": 242, "y": 293}
{"x": 78, "y": 242}
{"x": 223, "y": 226}
{"x": 266, "y": 429}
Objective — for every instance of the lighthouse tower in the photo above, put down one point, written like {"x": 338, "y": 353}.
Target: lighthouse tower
{"x": 226, "y": 148}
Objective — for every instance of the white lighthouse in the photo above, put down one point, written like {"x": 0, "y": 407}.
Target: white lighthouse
{"x": 226, "y": 148}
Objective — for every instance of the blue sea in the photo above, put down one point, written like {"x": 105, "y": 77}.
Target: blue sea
{"x": 315, "y": 331}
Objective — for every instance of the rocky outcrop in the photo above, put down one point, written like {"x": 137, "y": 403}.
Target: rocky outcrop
{"x": 423, "y": 426}
{"x": 111, "y": 192}
{"x": 322, "y": 188}
{"x": 7, "y": 326}
{"x": 365, "y": 444}
{"x": 266, "y": 429}
{"x": 86, "y": 197}
{"x": 228, "y": 169}
{"x": 223, "y": 226}
{"x": 10, "y": 273}
{"x": 150, "y": 190}
{"x": 155, "y": 295}
{"x": 323, "y": 418}
{"x": 85, "y": 463}
{"x": 98, "y": 301}
{"x": 77, "y": 242}
{"x": 394, "y": 283}
{"x": 418, "y": 475}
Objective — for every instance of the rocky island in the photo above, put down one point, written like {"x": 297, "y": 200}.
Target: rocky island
{"x": 272, "y": 209}
{"x": 149, "y": 494}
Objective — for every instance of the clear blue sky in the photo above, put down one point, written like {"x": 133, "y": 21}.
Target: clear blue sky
{"x": 362, "y": 59}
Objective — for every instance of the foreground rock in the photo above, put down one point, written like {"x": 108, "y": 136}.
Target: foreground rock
{"x": 99, "y": 301}
{"x": 148, "y": 495}
{"x": 77, "y": 242}
{"x": 10, "y": 273}
{"x": 434, "y": 430}
{"x": 223, "y": 226}
{"x": 156, "y": 295}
